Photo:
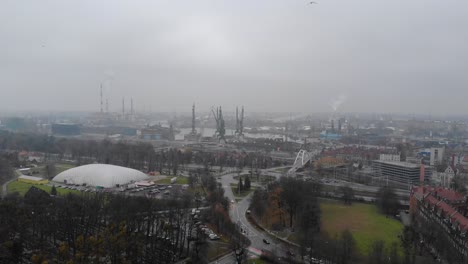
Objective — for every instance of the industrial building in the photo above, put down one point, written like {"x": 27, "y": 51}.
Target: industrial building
{"x": 401, "y": 172}
{"x": 157, "y": 132}
{"x": 100, "y": 175}
{"x": 66, "y": 129}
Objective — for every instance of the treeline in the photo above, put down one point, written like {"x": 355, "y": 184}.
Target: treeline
{"x": 141, "y": 156}
{"x": 95, "y": 228}
{"x": 292, "y": 205}
{"x": 218, "y": 216}
{"x": 7, "y": 162}
{"x": 267, "y": 144}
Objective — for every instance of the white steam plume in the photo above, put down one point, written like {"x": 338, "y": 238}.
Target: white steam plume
{"x": 335, "y": 103}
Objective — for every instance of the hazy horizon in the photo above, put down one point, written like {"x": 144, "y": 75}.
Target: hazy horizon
{"x": 270, "y": 56}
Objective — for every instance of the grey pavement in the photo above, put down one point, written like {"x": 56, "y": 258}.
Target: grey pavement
{"x": 237, "y": 212}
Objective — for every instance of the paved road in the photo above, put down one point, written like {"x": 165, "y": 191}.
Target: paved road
{"x": 237, "y": 213}
{"x": 238, "y": 209}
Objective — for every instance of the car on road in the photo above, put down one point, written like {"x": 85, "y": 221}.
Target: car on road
{"x": 266, "y": 241}
{"x": 290, "y": 253}
{"x": 247, "y": 212}
{"x": 214, "y": 237}
{"x": 232, "y": 201}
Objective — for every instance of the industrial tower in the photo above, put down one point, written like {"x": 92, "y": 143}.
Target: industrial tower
{"x": 194, "y": 131}
{"x": 220, "y": 129}
{"x": 193, "y": 135}
{"x": 239, "y": 122}
{"x": 123, "y": 106}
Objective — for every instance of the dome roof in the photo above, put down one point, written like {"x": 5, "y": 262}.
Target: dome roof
{"x": 103, "y": 175}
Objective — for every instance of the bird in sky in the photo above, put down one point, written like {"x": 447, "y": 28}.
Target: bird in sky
{"x": 313, "y": 2}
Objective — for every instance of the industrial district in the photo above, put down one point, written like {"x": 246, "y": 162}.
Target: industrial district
{"x": 230, "y": 186}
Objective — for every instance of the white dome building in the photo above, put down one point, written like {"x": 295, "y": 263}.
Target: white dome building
{"x": 103, "y": 175}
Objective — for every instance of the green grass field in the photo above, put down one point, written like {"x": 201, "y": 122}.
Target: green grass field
{"x": 363, "y": 220}
{"x": 180, "y": 180}
{"x": 22, "y": 188}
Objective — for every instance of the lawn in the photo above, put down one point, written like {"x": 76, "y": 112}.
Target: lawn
{"x": 22, "y": 188}
{"x": 218, "y": 249}
{"x": 363, "y": 220}
{"x": 167, "y": 180}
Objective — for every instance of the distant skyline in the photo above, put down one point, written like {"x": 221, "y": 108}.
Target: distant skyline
{"x": 270, "y": 56}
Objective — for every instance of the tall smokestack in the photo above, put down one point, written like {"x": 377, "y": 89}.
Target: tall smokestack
{"x": 193, "y": 120}
{"x": 107, "y": 105}
{"x": 241, "y": 124}
{"x": 123, "y": 106}
{"x": 237, "y": 120}
{"x": 101, "y": 99}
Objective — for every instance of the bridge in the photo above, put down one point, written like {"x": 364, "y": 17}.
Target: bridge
{"x": 302, "y": 158}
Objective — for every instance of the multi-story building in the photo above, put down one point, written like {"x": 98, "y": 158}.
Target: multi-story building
{"x": 441, "y": 214}
{"x": 401, "y": 172}
{"x": 437, "y": 155}
{"x": 390, "y": 157}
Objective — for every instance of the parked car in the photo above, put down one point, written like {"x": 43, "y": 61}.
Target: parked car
{"x": 266, "y": 241}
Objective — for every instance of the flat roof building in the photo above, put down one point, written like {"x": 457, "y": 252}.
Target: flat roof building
{"x": 399, "y": 171}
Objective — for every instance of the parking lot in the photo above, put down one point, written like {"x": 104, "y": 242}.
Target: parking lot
{"x": 159, "y": 191}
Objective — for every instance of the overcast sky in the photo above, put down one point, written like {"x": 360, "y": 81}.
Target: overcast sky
{"x": 277, "y": 55}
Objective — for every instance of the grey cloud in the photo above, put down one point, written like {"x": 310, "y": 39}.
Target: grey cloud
{"x": 384, "y": 56}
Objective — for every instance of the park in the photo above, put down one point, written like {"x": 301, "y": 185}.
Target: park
{"x": 364, "y": 222}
